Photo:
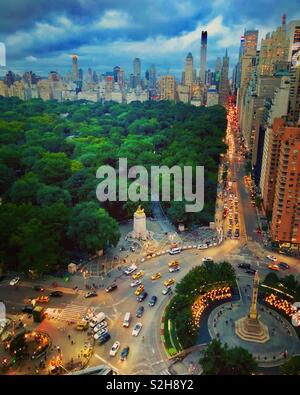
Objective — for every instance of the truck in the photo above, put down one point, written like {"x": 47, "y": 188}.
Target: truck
{"x": 97, "y": 319}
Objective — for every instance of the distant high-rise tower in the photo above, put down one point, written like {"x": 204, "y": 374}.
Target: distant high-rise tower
{"x": 203, "y": 56}
{"x": 224, "y": 89}
{"x": 152, "y": 76}
{"x": 90, "y": 75}
{"x": 218, "y": 65}
{"x": 75, "y": 67}
{"x": 116, "y": 72}
{"x": 137, "y": 70}
{"x": 189, "y": 70}
{"x": 121, "y": 77}
{"x": 80, "y": 75}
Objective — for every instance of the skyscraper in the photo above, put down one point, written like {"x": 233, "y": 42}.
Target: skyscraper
{"x": 137, "y": 70}
{"x": 75, "y": 68}
{"x": 121, "y": 78}
{"x": 224, "y": 89}
{"x": 167, "y": 87}
{"x": 116, "y": 72}
{"x": 203, "y": 56}
{"x": 152, "y": 76}
{"x": 189, "y": 70}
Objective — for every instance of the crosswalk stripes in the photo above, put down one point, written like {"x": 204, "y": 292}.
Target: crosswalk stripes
{"x": 165, "y": 372}
{"x": 72, "y": 312}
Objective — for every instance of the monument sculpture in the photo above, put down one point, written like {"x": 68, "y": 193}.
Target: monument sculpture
{"x": 250, "y": 328}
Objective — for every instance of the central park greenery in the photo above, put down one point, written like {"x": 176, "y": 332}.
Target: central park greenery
{"x": 49, "y": 155}
{"x": 198, "y": 281}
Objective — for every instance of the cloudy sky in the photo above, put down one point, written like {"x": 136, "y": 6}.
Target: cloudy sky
{"x": 41, "y": 35}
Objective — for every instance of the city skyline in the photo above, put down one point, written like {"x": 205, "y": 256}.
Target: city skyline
{"x": 119, "y": 33}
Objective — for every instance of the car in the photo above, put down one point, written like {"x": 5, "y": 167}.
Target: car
{"x": 114, "y": 349}
{"x": 27, "y": 309}
{"x": 90, "y": 294}
{"x": 140, "y": 311}
{"x": 283, "y": 265}
{"x": 124, "y": 353}
{"x": 152, "y": 301}
{"x": 132, "y": 249}
{"x": 168, "y": 282}
{"x": 100, "y": 333}
{"x": 82, "y": 325}
{"x": 202, "y": 246}
{"x": 135, "y": 283}
{"x": 273, "y": 266}
{"x": 100, "y": 326}
{"x": 173, "y": 263}
{"x": 207, "y": 259}
{"x": 272, "y": 258}
{"x": 244, "y": 265}
{"x": 104, "y": 338}
{"x": 137, "y": 328}
{"x": 130, "y": 269}
{"x": 56, "y": 294}
{"x": 167, "y": 291}
{"x": 138, "y": 275}
{"x": 42, "y": 299}
{"x": 142, "y": 296}
{"x": 111, "y": 287}
{"x": 38, "y": 288}
{"x": 174, "y": 269}
{"x": 250, "y": 271}
{"x": 14, "y": 281}
{"x": 139, "y": 290}
{"x": 174, "y": 251}
{"x": 156, "y": 276}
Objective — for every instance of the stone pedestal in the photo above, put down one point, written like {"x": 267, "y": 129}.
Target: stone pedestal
{"x": 252, "y": 330}
{"x": 139, "y": 225}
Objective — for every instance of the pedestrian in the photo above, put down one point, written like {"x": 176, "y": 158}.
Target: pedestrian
{"x": 69, "y": 337}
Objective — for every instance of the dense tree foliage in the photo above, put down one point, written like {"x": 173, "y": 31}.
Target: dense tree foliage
{"x": 50, "y": 152}
{"x": 198, "y": 281}
{"x": 221, "y": 360}
{"x": 292, "y": 366}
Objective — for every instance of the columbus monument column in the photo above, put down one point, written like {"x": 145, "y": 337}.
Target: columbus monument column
{"x": 250, "y": 328}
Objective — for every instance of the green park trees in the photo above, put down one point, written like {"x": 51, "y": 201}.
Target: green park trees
{"x": 49, "y": 155}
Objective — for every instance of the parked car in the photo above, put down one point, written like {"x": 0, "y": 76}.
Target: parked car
{"x": 140, "y": 311}
{"x": 104, "y": 338}
{"x": 101, "y": 325}
{"x": 174, "y": 269}
{"x": 207, "y": 259}
{"x": 168, "y": 282}
{"x": 114, "y": 349}
{"x": 90, "y": 294}
{"x": 130, "y": 269}
{"x": 139, "y": 290}
{"x": 42, "y": 299}
{"x": 100, "y": 333}
{"x": 14, "y": 281}
{"x": 39, "y": 288}
{"x": 152, "y": 301}
{"x": 142, "y": 296}
{"x": 56, "y": 294}
{"x": 27, "y": 309}
{"x": 274, "y": 267}
{"x": 202, "y": 246}
{"x": 111, "y": 287}
{"x": 272, "y": 258}
{"x": 156, "y": 276}
{"x": 124, "y": 353}
{"x": 138, "y": 275}
{"x": 135, "y": 283}
{"x": 244, "y": 265}
{"x": 137, "y": 329}
{"x": 283, "y": 265}
{"x": 167, "y": 291}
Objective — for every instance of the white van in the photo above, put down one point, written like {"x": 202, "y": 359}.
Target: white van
{"x": 97, "y": 319}
{"x": 127, "y": 319}
{"x": 174, "y": 251}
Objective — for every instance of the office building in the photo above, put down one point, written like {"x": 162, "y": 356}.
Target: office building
{"x": 167, "y": 86}
{"x": 203, "y": 56}
{"x": 75, "y": 74}
{"x": 137, "y": 70}
{"x": 224, "y": 88}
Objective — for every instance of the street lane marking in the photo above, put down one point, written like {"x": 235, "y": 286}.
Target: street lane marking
{"x": 106, "y": 362}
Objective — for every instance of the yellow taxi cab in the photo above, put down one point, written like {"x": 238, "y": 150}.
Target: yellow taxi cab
{"x": 42, "y": 299}
{"x": 138, "y": 275}
{"x": 82, "y": 325}
{"x": 139, "y": 290}
{"x": 156, "y": 276}
{"x": 168, "y": 282}
{"x": 173, "y": 263}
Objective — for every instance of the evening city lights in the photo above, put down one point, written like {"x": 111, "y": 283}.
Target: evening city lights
{"x": 149, "y": 191}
